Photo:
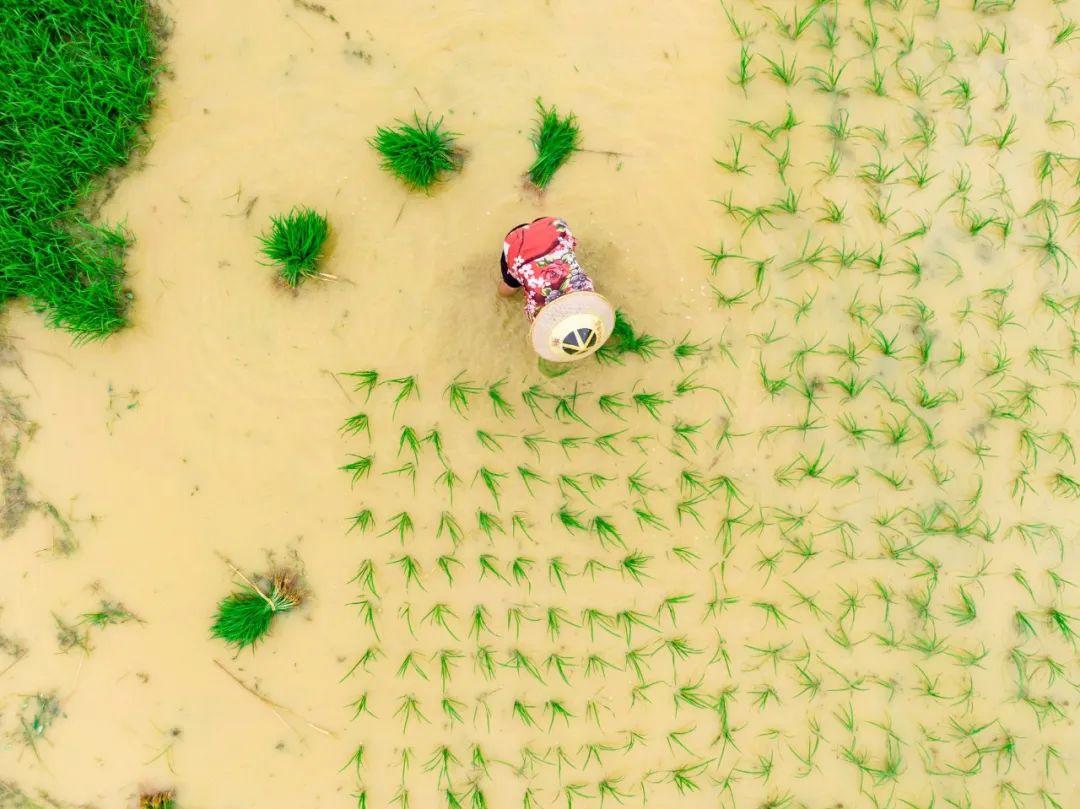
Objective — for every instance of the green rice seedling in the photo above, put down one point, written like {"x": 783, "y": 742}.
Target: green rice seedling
{"x": 627, "y": 340}
{"x": 244, "y": 617}
{"x": 360, "y": 468}
{"x": 489, "y": 524}
{"x": 650, "y": 402}
{"x": 447, "y": 478}
{"x": 1065, "y": 485}
{"x": 610, "y": 404}
{"x": 1067, "y": 32}
{"x": 459, "y": 392}
{"x": 409, "y": 710}
{"x": 742, "y": 31}
{"x": 827, "y": 79}
{"x": 492, "y": 481}
{"x": 365, "y": 381}
{"x": 533, "y": 396}
{"x": 407, "y": 387}
{"x": 488, "y": 441}
{"x": 743, "y": 73}
{"x": 606, "y": 532}
{"x": 356, "y": 424}
{"x": 157, "y": 800}
{"x": 77, "y": 82}
{"x": 565, "y": 411}
{"x": 419, "y": 154}
{"x": 555, "y": 140}
{"x": 570, "y": 520}
{"x": 798, "y": 24}
{"x": 733, "y": 165}
{"x": 499, "y": 405}
{"x": 529, "y": 477}
{"x": 402, "y": 524}
{"x": 295, "y": 244}
{"x": 784, "y": 72}
{"x": 363, "y": 521}
{"x": 533, "y": 441}
{"x": 408, "y": 439}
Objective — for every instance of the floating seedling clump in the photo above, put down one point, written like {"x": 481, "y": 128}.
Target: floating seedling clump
{"x": 244, "y": 617}
{"x": 295, "y": 244}
{"x": 555, "y": 140}
{"x": 76, "y": 82}
{"x": 419, "y": 154}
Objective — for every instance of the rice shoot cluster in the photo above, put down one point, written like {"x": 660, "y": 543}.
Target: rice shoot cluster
{"x": 555, "y": 140}
{"x": 295, "y": 244}
{"x": 418, "y": 154}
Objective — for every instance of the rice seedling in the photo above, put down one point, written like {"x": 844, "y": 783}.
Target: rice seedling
{"x": 555, "y": 140}
{"x": 459, "y": 392}
{"x": 650, "y": 403}
{"x": 244, "y": 617}
{"x": 419, "y": 154}
{"x": 784, "y": 72}
{"x": 294, "y": 243}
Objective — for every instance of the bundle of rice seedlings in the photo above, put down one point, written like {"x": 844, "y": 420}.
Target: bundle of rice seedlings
{"x": 555, "y": 140}
{"x": 245, "y": 616}
{"x": 295, "y": 242}
{"x": 418, "y": 153}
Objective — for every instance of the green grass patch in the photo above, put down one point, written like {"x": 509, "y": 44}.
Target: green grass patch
{"x": 295, "y": 243}
{"x": 77, "y": 78}
{"x": 555, "y": 140}
{"x": 418, "y": 154}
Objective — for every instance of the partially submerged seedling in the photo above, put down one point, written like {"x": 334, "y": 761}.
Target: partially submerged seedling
{"x": 157, "y": 800}
{"x": 555, "y": 140}
{"x": 295, "y": 244}
{"x": 245, "y": 616}
{"x": 418, "y": 154}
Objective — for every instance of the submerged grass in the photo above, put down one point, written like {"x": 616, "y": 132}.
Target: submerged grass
{"x": 555, "y": 140}
{"x": 244, "y": 617}
{"x": 77, "y": 78}
{"x": 418, "y": 154}
{"x": 295, "y": 244}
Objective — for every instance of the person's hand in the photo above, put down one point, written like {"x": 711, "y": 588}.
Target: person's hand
{"x": 505, "y": 290}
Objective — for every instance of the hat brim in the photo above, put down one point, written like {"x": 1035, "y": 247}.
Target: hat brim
{"x": 545, "y": 333}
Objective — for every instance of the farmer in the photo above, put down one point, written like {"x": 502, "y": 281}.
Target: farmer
{"x": 569, "y": 319}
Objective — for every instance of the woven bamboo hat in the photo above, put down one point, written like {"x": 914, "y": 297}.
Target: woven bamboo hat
{"x": 572, "y": 326}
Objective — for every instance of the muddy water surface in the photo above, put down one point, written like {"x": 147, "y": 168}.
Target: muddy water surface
{"x": 209, "y": 431}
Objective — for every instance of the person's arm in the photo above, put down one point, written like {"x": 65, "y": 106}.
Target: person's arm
{"x": 508, "y": 285}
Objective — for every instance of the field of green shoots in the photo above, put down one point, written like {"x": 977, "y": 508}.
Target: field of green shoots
{"x": 821, "y": 549}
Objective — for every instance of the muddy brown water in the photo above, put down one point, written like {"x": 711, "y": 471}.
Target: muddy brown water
{"x": 210, "y": 428}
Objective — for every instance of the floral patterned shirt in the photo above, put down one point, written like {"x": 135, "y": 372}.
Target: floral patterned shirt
{"x": 540, "y": 257}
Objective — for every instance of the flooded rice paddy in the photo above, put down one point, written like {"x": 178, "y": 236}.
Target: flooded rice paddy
{"x": 813, "y": 545}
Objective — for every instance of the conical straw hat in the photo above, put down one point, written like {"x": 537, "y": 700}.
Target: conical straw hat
{"x": 572, "y": 326}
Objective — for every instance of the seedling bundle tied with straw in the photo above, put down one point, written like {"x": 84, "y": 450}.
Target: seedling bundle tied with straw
{"x": 244, "y": 617}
